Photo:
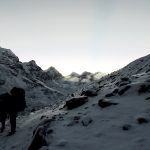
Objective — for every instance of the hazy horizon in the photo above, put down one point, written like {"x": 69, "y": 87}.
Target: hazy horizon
{"x": 76, "y": 36}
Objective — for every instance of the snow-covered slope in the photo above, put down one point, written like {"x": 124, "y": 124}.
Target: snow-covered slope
{"x": 43, "y": 87}
{"x": 30, "y": 77}
{"x": 123, "y": 126}
{"x": 117, "y": 117}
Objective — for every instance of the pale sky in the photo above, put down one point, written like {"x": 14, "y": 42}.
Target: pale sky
{"x": 76, "y": 35}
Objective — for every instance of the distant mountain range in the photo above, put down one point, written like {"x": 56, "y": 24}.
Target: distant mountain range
{"x": 44, "y": 87}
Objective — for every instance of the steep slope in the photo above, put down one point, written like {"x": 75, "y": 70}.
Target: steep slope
{"x": 30, "y": 77}
{"x": 116, "y": 119}
{"x": 114, "y": 113}
{"x": 121, "y": 125}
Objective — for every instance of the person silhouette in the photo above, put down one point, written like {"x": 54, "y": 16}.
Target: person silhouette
{"x": 11, "y": 103}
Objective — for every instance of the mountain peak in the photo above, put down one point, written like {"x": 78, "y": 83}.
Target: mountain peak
{"x": 52, "y": 72}
{"x": 8, "y": 55}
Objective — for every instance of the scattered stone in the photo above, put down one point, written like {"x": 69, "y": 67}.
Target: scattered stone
{"x": 74, "y": 121}
{"x": 109, "y": 95}
{"x": 105, "y": 103}
{"x": 142, "y": 120}
{"x": 90, "y": 93}
{"x": 93, "y": 105}
{"x": 72, "y": 95}
{"x": 123, "y": 83}
{"x": 148, "y": 98}
{"x": 123, "y": 89}
{"x": 125, "y": 79}
{"x": 86, "y": 107}
{"x": 126, "y": 127}
{"x": 39, "y": 139}
{"x": 144, "y": 88}
{"x": 42, "y": 117}
{"x": 2, "y": 82}
{"x": 76, "y": 102}
{"x": 86, "y": 121}
{"x": 33, "y": 110}
{"x": 115, "y": 91}
{"x": 54, "y": 118}
{"x": 77, "y": 118}
{"x": 62, "y": 143}
{"x": 49, "y": 131}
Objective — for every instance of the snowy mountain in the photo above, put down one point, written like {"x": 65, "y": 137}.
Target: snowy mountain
{"x": 43, "y": 87}
{"x": 85, "y": 77}
{"x": 112, "y": 114}
{"x": 30, "y": 77}
{"x": 109, "y": 113}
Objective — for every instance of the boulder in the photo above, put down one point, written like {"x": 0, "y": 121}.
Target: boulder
{"x": 76, "y": 102}
{"x": 123, "y": 89}
{"x": 144, "y": 88}
{"x": 39, "y": 139}
{"x": 106, "y": 103}
{"x": 142, "y": 120}
{"x": 89, "y": 93}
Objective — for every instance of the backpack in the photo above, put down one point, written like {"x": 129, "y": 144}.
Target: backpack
{"x": 18, "y": 99}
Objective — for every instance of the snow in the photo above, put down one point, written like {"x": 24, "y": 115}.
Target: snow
{"x": 89, "y": 126}
{"x": 103, "y": 129}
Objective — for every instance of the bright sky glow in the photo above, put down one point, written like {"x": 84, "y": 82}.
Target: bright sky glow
{"x": 76, "y": 35}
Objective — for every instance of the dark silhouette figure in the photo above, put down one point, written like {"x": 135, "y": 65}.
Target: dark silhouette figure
{"x": 4, "y": 103}
{"x": 11, "y": 104}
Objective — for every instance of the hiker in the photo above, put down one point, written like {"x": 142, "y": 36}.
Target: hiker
{"x": 13, "y": 103}
{"x": 4, "y": 103}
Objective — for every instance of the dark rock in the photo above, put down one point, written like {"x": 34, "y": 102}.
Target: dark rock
{"x": 89, "y": 93}
{"x": 72, "y": 95}
{"x": 105, "y": 103}
{"x": 148, "y": 71}
{"x": 144, "y": 88}
{"x": 2, "y": 82}
{"x": 109, "y": 95}
{"x": 142, "y": 120}
{"x": 74, "y": 121}
{"x": 126, "y": 127}
{"x": 49, "y": 131}
{"x": 39, "y": 139}
{"x": 77, "y": 117}
{"x": 76, "y": 102}
{"x": 125, "y": 79}
{"x": 33, "y": 110}
{"x": 123, "y": 90}
{"x": 42, "y": 117}
{"x": 86, "y": 107}
{"x": 115, "y": 91}
{"x": 148, "y": 98}
{"x": 123, "y": 84}
{"x": 86, "y": 121}
{"x": 93, "y": 105}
